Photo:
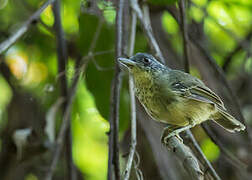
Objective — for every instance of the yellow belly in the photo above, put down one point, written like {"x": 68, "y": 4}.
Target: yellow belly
{"x": 181, "y": 112}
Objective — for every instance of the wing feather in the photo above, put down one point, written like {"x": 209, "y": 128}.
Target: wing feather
{"x": 183, "y": 84}
{"x": 208, "y": 94}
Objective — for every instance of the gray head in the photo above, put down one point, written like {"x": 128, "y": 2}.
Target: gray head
{"x": 141, "y": 62}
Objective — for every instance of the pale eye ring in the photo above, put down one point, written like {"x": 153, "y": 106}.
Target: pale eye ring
{"x": 146, "y": 60}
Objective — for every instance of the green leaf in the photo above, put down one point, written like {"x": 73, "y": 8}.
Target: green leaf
{"x": 162, "y": 2}
{"x": 210, "y": 150}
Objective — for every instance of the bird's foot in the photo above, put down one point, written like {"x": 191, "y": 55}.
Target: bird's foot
{"x": 168, "y": 132}
{"x": 166, "y": 139}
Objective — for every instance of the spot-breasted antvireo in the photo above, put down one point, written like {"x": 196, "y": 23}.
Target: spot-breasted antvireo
{"x": 175, "y": 97}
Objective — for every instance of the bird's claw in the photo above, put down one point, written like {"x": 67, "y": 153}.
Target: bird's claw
{"x": 166, "y": 139}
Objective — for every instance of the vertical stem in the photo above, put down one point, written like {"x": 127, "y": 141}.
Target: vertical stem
{"x": 182, "y": 11}
{"x": 113, "y": 162}
{"x": 132, "y": 102}
{"x": 66, "y": 131}
{"x": 183, "y": 26}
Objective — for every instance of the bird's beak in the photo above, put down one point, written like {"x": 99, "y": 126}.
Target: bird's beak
{"x": 127, "y": 62}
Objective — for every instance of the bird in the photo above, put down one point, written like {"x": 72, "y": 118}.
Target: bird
{"x": 174, "y": 97}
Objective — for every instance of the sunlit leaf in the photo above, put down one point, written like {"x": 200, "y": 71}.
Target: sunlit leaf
{"x": 90, "y": 150}
{"x": 210, "y": 150}
{"x": 219, "y": 39}
{"x": 47, "y": 16}
{"x": 6, "y": 93}
{"x": 200, "y": 2}
{"x": 196, "y": 13}
{"x": 169, "y": 23}
{"x": 70, "y": 12}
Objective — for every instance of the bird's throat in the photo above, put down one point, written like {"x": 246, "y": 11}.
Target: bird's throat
{"x": 143, "y": 80}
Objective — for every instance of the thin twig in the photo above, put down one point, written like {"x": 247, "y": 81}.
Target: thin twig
{"x": 96, "y": 36}
{"x": 183, "y": 26}
{"x": 184, "y": 33}
{"x": 147, "y": 28}
{"x": 62, "y": 61}
{"x": 139, "y": 173}
{"x": 113, "y": 162}
{"x": 132, "y": 102}
{"x": 234, "y": 161}
{"x": 15, "y": 36}
{"x": 202, "y": 157}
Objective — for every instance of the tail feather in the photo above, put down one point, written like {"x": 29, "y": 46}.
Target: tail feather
{"x": 228, "y": 122}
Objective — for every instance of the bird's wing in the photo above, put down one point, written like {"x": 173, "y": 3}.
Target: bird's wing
{"x": 188, "y": 86}
{"x": 204, "y": 93}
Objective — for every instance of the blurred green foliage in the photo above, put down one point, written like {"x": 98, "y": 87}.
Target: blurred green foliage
{"x": 90, "y": 141}
{"x": 211, "y": 151}
{"x": 33, "y": 63}
{"x": 162, "y": 2}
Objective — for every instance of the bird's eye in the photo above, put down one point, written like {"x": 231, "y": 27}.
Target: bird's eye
{"x": 146, "y": 60}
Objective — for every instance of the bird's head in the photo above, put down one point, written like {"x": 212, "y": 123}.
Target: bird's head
{"x": 141, "y": 63}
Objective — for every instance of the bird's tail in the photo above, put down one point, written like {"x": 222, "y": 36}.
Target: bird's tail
{"x": 227, "y": 121}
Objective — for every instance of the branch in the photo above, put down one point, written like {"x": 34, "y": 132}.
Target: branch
{"x": 183, "y": 27}
{"x": 61, "y": 48}
{"x": 15, "y": 36}
{"x": 113, "y": 162}
{"x": 147, "y": 29}
{"x": 184, "y": 34}
{"x": 187, "y": 158}
{"x": 132, "y": 102}
{"x": 62, "y": 61}
{"x": 201, "y": 156}
{"x": 65, "y": 131}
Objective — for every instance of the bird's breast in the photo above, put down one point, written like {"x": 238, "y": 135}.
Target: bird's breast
{"x": 150, "y": 98}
